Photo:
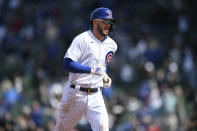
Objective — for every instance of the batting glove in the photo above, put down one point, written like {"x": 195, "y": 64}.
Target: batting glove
{"x": 106, "y": 81}
{"x": 98, "y": 70}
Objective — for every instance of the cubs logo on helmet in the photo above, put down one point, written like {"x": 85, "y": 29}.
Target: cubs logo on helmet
{"x": 110, "y": 14}
{"x": 102, "y": 12}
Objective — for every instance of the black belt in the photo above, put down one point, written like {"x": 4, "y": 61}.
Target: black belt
{"x": 88, "y": 90}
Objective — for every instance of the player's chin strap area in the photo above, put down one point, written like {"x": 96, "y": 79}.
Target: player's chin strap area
{"x": 88, "y": 90}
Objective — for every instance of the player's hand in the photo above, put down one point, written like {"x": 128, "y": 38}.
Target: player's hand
{"x": 106, "y": 81}
{"x": 98, "y": 70}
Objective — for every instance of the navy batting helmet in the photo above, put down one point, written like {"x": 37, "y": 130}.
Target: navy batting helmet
{"x": 103, "y": 13}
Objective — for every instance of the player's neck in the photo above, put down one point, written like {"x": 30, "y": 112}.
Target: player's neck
{"x": 98, "y": 35}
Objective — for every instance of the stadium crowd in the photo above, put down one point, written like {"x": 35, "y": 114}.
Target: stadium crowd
{"x": 154, "y": 71}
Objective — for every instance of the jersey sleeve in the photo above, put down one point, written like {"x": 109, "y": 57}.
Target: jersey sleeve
{"x": 115, "y": 47}
{"x": 75, "y": 50}
{"x": 75, "y": 67}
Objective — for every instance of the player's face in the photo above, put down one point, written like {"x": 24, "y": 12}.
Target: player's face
{"x": 103, "y": 26}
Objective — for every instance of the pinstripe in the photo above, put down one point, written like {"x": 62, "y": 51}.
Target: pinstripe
{"x": 82, "y": 106}
{"x": 66, "y": 117}
{"x": 73, "y": 111}
{"x": 97, "y": 114}
{"x": 60, "y": 119}
{"x": 77, "y": 116}
{"x": 61, "y": 125}
{"x": 77, "y": 109}
{"x": 70, "y": 115}
{"x": 67, "y": 93}
{"x": 92, "y": 106}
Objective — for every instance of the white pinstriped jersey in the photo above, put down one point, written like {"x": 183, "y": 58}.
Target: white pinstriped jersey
{"x": 88, "y": 50}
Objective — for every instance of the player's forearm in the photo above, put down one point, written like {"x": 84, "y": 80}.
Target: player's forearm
{"x": 75, "y": 67}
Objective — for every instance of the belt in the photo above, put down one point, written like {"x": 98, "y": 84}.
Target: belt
{"x": 88, "y": 90}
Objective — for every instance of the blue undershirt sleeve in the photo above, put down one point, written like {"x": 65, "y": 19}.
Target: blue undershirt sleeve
{"x": 75, "y": 67}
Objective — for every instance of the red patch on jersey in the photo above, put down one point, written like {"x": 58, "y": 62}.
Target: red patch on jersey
{"x": 109, "y": 58}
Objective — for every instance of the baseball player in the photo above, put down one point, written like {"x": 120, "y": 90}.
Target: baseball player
{"x": 86, "y": 60}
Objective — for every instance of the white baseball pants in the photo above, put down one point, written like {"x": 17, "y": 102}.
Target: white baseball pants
{"x": 75, "y": 104}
